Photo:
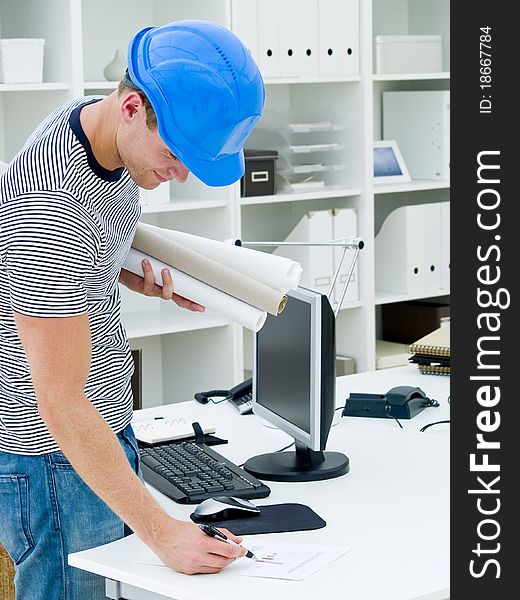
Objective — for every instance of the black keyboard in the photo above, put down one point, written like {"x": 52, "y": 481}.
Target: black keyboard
{"x": 189, "y": 473}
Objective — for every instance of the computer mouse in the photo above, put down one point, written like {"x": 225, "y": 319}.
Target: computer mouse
{"x": 225, "y": 507}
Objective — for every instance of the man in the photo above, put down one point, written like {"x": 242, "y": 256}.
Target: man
{"x": 69, "y": 207}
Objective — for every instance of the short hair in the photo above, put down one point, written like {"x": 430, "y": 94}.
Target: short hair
{"x": 127, "y": 85}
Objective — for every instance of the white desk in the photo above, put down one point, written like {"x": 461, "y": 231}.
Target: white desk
{"x": 391, "y": 509}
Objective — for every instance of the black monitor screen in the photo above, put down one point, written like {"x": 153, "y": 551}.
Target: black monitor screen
{"x": 283, "y": 364}
{"x": 294, "y": 389}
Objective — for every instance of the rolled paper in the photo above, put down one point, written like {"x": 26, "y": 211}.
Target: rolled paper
{"x": 206, "y": 269}
{"x": 278, "y": 272}
{"x": 197, "y": 291}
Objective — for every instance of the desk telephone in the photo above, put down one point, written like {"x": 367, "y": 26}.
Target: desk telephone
{"x": 241, "y": 396}
{"x": 400, "y": 402}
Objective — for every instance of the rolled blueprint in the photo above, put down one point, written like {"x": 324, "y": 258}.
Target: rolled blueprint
{"x": 220, "y": 276}
{"x": 278, "y": 272}
{"x": 240, "y": 312}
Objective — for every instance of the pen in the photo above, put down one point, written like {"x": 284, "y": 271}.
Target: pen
{"x": 214, "y": 532}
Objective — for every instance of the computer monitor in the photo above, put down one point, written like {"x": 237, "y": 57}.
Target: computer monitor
{"x": 294, "y": 388}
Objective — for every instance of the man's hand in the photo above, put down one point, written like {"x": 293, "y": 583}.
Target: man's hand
{"x": 185, "y": 548}
{"x": 146, "y": 285}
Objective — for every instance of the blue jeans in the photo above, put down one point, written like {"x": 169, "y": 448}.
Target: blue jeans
{"x": 47, "y": 512}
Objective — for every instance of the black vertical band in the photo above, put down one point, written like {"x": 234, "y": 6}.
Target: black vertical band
{"x": 485, "y": 171}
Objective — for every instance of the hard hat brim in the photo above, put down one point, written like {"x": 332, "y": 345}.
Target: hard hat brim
{"x": 220, "y": 172}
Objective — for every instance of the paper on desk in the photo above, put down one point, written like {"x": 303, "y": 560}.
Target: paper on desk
{"x": 162, "y": 429}
{"x": 126, "y": 560}
{"x": 282, "y": 561}
{"x": 286, "y": 561}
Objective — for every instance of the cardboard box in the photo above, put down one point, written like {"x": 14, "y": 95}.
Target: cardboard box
{"x": 259, "y": 176}
{"x": 406, "y": 322}
{"x": 408, "y": 54}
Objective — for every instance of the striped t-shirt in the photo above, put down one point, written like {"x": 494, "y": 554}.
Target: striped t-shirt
{"x": 66, "y": 226}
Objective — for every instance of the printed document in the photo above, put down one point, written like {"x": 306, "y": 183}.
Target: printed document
{"x": 282, "y": 561}
{"x": 286, "y": 561}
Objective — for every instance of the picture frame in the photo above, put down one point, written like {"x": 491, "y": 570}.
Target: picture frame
{"x": 389, "y": 165}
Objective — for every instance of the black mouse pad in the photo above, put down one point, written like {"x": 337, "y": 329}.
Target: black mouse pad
{"x": 273, "y": 518}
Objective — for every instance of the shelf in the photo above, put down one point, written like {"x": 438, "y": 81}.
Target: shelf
{"x": 184, "y": 204}
{"x": 298, "y": 197}
{"x": 309, "y": 169}
{"x": 296, "y": 80}
{"x": 158, "y": 322}
{"x": 100, "y": 85}
{"x": 111, "y": 85}
{"x": 349, "y": 305}
{"x": 34, "y": 87}
{"x": 308, "y": 148}
{"x": 410, "y": 76}
{"x": 410, "y": 186}
{"x": 389, "y": 297}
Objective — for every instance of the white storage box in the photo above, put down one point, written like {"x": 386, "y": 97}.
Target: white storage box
{"x": 420, "y": 123}
{"x": 408, "y": 54}
{"x": 408, "y": 250}
{"x": 21, "y": 60}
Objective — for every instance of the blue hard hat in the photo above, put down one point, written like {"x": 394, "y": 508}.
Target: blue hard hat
{"x": 206, "y": 90}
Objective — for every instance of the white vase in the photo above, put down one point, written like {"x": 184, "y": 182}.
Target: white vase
{"x": 116, "y": 68}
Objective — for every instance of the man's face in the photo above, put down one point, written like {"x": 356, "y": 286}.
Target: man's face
{"x": 146, "y": 156}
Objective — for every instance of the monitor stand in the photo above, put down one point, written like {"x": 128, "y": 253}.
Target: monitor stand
{"x": 303, "y": 464}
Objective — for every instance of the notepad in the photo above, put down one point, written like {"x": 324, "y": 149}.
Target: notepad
{"x": 436, "y": 343}
{"x": 434, "y": 369}
{"x": 163, "y": 429}
{"x": 431, "y": 353}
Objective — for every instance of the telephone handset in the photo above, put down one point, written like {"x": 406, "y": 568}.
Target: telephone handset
{"x": 241, "y": 396}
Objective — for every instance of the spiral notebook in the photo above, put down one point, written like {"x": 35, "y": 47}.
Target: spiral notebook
{"x": 436, "y": 343}
{"x": 434, "y": 369}
{"x": 431, "y": 353}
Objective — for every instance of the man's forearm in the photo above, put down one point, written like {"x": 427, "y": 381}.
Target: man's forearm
{"x": 96, "y": 454}
{"x": 59, "y": 350}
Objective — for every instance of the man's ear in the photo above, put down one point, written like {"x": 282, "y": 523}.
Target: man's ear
{"x": 131, "y": 105}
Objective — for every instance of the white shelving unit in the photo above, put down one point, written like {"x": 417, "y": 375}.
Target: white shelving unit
{"x": 185, "y": 352}
{"x": 413, "y": 17}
